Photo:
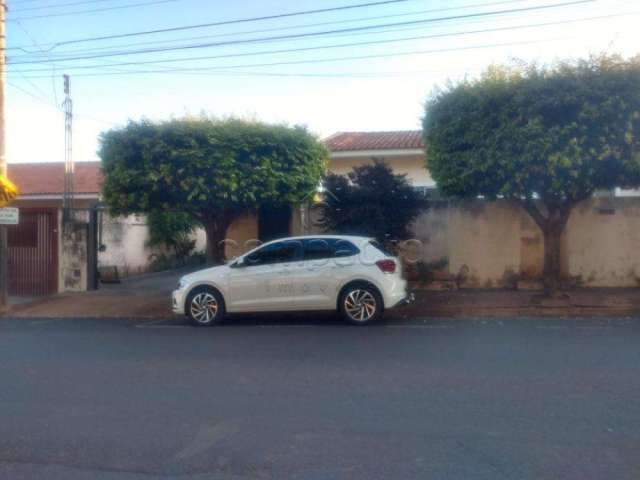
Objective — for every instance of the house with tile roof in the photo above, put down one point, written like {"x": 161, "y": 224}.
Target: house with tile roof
{"x": 42, "y": 260}
{"x": 476, "y": 243}
{"x": 45, "y": 181}
{"x": 403, "y": 150}
{"x": 122, "y": 241}
{"x": 46, "y": 259}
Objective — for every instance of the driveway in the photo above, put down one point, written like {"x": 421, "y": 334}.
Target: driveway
{"x": 481, "y": 399}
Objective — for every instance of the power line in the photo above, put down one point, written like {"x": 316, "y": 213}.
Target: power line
{"x": 53, "y": 67}
{"x": 315, "y": 61}
{"x": 226, "y": 22}
{"x": 342, "y": 45}
{"x": 42, "y": 98}
{"x": 60, "y": 5}
{"x": 55, "y": 107}
{"x": 32, "y": 95}
{"x": 308, "y": 34}
{"x": 21, "y": 2}
{"x": 96, "y": 10}
{"x": 291, "y": 27}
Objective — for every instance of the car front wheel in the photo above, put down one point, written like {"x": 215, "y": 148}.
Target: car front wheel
{"x": 360, "y": 304}
{"x": 205, "y": 307}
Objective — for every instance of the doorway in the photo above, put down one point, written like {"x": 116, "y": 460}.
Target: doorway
{"x": 274, "y": 222}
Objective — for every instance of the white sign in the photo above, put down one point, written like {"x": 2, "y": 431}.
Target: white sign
{"x": 9, "y": 216}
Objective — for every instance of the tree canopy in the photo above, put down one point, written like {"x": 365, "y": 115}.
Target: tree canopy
{"x": 214, "y": 170}
{"x": 545, "y": 137}
{"x": 371, "y": 200}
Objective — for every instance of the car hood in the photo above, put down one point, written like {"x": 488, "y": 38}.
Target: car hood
{"x": 208, "y": 273}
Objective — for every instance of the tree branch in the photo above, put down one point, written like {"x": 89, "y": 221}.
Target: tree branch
{"x": 530, "y": 207}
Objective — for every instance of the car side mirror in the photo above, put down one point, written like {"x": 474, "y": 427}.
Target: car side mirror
{"x": 238, "y": 263}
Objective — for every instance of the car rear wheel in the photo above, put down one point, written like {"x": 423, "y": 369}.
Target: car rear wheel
{"x": 361, "y": 304}
{"x": 205, "y": 307}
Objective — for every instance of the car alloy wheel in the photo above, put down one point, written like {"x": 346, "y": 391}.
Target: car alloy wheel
{"x": 360, "y": 305}
{"x": 204, "y": 308}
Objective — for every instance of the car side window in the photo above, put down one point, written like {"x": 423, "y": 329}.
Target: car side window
{"x": 279, "y": 252}
{"x": 318, "y": 248}
{"x": 345, "y": 248}
{"x": 324, "y": 248}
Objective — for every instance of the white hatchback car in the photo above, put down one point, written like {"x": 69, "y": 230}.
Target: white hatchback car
{"x": 353, "y": 275}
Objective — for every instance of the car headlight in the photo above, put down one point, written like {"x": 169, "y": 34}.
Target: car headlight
{"x": 182, "y": 283}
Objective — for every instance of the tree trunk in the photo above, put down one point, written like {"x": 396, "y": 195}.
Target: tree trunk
{"x": 216, "y": 230}
{"x": 552, "y": 223}
{"x": 552, "y": 273}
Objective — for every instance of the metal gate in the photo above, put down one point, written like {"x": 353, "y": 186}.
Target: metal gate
{"x": 33, "y": 253}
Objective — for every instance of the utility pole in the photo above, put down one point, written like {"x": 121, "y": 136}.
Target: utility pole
{"x": 67, "y": 199}
{"x": 4, "y": 274}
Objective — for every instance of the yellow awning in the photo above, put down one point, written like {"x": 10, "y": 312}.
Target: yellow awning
{"x": 8, "y": 191}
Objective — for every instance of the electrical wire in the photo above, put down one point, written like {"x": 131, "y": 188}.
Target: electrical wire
{"x": 308, "y": 34}
{"x": 317, "y": 60}
{"x": 342, "y": 45}
{"x": 53, "y": 67}
{"x": 292, "y": 27}
{"x": 96, "y": 10}
{"x": 60, "y": 5}
{"x": 227, "y": 22}
{"x": 56, "y": 107}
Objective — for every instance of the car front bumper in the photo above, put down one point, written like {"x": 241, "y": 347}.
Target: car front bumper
{"x": 177, "y": 302}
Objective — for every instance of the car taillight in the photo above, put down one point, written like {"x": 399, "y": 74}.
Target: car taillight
{"x": 387, "y": 266}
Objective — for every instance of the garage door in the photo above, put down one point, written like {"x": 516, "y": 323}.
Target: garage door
{"x": 33, "y": 253}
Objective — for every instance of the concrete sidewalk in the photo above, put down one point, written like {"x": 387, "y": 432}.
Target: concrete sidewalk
{"x": 508, "y": 303}
{"x": 148, "y": 296}
{"x": 144, "y": 296}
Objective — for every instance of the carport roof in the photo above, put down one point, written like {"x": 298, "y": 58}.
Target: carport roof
{"x": 47, "y": 178}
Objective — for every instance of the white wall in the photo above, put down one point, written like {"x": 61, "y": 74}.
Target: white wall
{"x": 411, "y": 165}
{"x": 125, "y": 239}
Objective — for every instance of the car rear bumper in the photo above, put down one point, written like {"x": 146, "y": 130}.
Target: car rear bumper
{"x": 408, "y": 299}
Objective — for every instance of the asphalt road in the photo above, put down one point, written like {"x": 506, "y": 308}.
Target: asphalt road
{"x": 311, "y": 399}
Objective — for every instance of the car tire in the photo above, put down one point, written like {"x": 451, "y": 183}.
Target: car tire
{"x": 205, "y": 307}
{"x": 360, "y": 304}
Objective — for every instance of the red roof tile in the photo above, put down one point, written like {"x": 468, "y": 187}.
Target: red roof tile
{"x": 48, "y": 178}
{"x": 397, "y": 140}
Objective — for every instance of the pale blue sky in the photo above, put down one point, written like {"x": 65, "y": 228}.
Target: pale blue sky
{"x": 311, "y": 88}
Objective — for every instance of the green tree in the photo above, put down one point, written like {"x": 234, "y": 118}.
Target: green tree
{"x": 370, "y": 200}
{"x": 173, "y": 230}
{"x": 544, "y": 137}
{"x": 213, "y": 170}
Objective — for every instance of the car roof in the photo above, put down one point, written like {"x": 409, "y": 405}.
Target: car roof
{"x": 353, "y": 238}
{"x": 358, "y": 240}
